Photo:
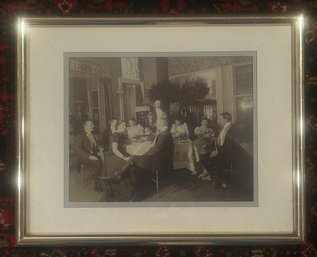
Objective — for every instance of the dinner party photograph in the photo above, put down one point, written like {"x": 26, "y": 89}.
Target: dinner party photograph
{"x": 161, "y": 127}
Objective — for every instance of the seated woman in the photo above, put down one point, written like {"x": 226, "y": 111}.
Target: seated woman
{"x": 118, "y": 142}
{"x": 204, "y": 142}
{"x": 113, "y": 125}
{"x": 108, "y": 133}
{"x": 135, "y": 131}
{"x": 115, "y": 160}
{"x": 179, "y": 130}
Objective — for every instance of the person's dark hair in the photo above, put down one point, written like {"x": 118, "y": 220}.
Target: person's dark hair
{"x": 203, "y": 118}
{"x": 227, "y": 116}
{"x": 132, "y": 119}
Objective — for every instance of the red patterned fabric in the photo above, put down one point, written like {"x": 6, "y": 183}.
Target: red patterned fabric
{"x": 8, "y": 11}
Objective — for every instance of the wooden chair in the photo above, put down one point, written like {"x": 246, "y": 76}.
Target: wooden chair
{"x": 83, "y": 175}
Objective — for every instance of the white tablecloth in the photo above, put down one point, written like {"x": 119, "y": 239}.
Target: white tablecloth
{"x": 185, "y": 153}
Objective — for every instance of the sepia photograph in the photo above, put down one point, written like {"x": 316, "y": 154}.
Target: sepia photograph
{"x": 179, "y": 127}
{"x": 172, "y": 127}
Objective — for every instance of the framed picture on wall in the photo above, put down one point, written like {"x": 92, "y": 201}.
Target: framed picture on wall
{"x": 160, "y": 130}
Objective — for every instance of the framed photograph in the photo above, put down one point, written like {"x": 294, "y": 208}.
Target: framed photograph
{"x": 180, "y": 130}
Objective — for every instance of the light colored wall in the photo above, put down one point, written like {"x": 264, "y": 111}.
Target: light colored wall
{"x": 148, "y": 74}
{"x": 152, "y": 70}
{"x": 181, "y": 65}
{"x": 162, "y": 69}
{"x": 115, "y": 74}
{"x": 219, "y": 88}
{"x": 227, "y": 90}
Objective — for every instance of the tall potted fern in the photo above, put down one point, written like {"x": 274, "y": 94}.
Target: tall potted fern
{"x": 179, "y": 97}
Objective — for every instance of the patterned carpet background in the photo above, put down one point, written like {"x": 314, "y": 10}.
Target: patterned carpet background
{"x": 8, "y": 12}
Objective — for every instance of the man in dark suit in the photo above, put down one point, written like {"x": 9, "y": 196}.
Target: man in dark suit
{"x": 223, "y": 157}
{"x": 161, "y": 154}
{"x": 158, "y": 158}
{"x": 87, "y": 150}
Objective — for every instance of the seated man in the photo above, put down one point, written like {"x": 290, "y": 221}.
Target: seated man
{"x": 88, "y": 152}
{"x": 159, "y": 157}
{"x": 226, "y": 146}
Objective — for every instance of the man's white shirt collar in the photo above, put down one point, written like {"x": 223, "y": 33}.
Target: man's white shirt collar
{"x": 223, "y": 132}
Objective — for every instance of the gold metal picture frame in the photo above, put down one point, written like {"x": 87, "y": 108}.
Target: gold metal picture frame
{"x": 49, "y": 49}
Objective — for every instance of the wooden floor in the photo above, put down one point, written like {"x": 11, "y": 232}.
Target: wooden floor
{"x": 181, "y": 186}
{"x": 82, "y": 192}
